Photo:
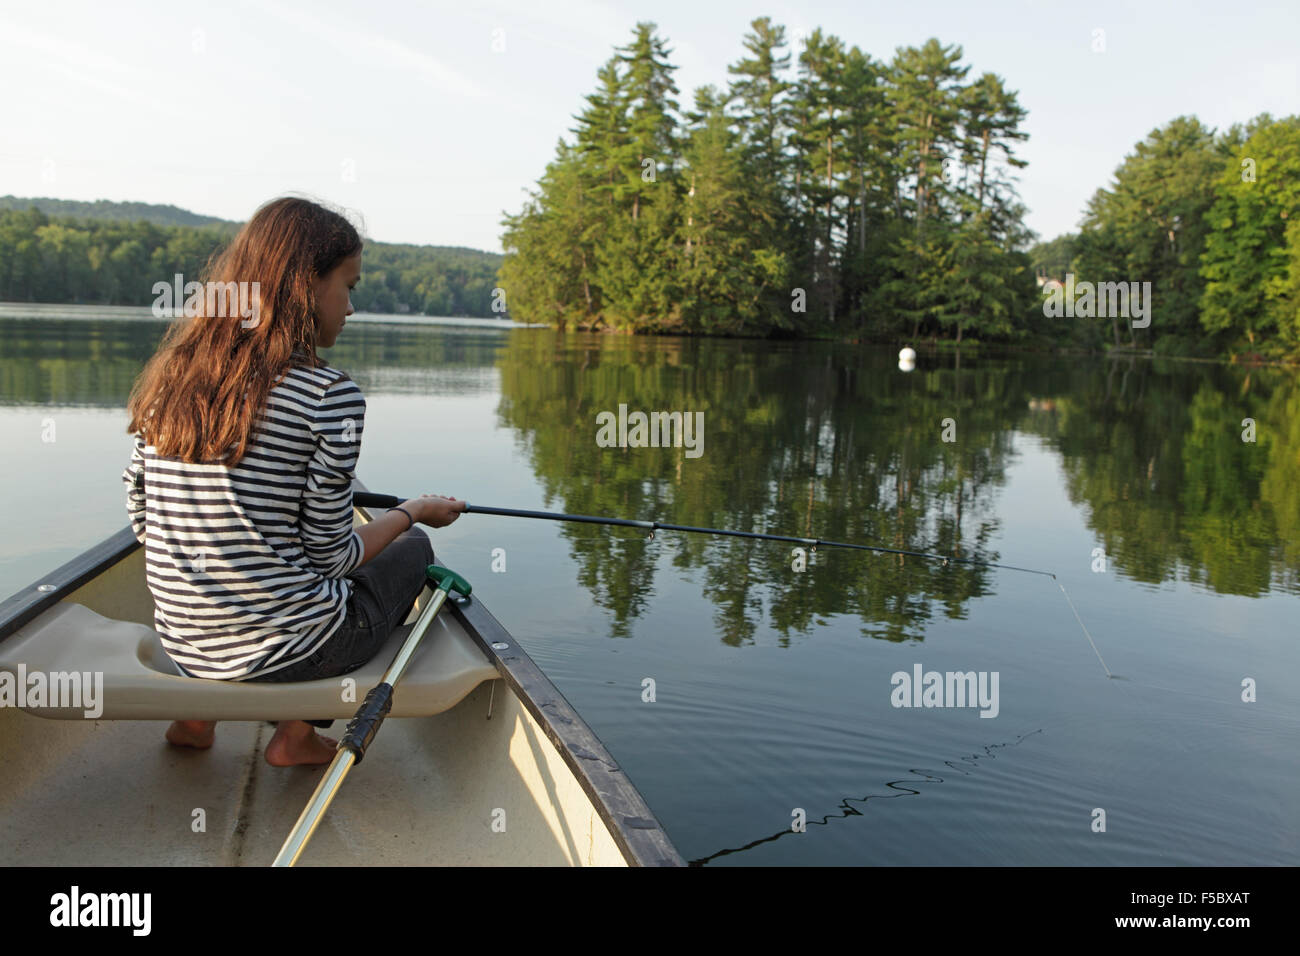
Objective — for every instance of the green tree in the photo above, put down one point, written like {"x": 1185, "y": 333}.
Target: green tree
{"x": 729, "y": 265}
{"x": 1251, "y": 260}
{"x": 549, "y": 260}
{"x": 634, "y": 261}
{"x": 870, "y": 185}
{"x": 761, "y": 118}
{"x": 822, "y": 149}
{"x": 991, "y": 116}
{"x": 1149, "y": 226}
{"x": 927, "y": 98}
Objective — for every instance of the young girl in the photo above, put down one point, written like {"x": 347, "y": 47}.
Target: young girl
{"x": 240, "y": 483}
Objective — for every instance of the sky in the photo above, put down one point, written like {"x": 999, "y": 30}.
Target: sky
{"x": 430, "y": 121}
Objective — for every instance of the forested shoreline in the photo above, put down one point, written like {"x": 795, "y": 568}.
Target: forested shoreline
{"x": 1212, "y": 221}
{"x": 856, "y": 198}
{"x": 98, "y": 261}
{"x": 823, "y": 193}
{"x": 830, "y": 193}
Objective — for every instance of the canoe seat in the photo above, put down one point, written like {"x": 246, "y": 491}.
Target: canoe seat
{"x": 140, "y": 682}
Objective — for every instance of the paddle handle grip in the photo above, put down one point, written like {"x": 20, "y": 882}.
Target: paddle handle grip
{"x": 366, "y": 723}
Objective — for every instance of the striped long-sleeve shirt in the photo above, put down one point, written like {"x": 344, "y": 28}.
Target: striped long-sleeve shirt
{"x": 247, "y": 564}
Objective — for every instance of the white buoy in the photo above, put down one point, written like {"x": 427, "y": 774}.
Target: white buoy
{"x": 906, "y": 360}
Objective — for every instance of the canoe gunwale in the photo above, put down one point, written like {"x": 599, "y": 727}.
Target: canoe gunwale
{"x": 31, "y": 602}
{"x": 631, "y": 822}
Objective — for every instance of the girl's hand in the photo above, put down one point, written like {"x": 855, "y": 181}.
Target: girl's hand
{"x": 437, "y": 511}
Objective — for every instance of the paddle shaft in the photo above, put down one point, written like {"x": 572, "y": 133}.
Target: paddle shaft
{"x": 360, "y": 732}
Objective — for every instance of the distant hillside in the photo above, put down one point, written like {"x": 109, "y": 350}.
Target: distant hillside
{"x": 103, "y": 210}
{"x": 112, "y": 253}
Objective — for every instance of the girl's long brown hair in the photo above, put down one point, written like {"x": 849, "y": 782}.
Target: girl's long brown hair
{"x": 199, "y": 397}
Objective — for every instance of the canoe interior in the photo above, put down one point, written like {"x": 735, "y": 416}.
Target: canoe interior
{"x": 457, "y": 788}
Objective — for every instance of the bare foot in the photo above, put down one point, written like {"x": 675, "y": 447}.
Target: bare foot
{"x": 198, "y": 734}
{"x": 296, "y": 743}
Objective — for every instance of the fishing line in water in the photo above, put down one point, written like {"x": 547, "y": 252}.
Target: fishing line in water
{"x": 901, "y": 788}
{"x": 368, "y": 499}
{"x": 1082, "y": 625}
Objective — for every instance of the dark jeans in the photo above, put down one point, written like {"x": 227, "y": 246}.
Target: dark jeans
{"x": 383, "y": 591}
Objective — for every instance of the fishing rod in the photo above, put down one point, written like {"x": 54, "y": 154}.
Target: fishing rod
{"x": 368, "y": 499}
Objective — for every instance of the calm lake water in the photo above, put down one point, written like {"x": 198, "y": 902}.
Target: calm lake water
{"x": 773, "y": 687}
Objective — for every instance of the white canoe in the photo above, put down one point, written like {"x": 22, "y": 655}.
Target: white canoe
{"x": 488, "y": 765}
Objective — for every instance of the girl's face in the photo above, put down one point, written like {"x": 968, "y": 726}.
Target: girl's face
{"x": 333, "y": 299}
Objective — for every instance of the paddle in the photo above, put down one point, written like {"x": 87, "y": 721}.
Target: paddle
{"x": 361, "y": 731}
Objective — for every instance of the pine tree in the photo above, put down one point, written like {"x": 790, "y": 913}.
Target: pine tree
{"x": 729, "y": 266}
{"x": 602, "y": 135}
{"x": 926, "y": 97}
{"x": 990, "y": 116}
{"x": 870, "y": 184}
{"x": 550, "y": 250}
{"x": 649, "y": 89}
{"x": 823, "y": 163}
{"x": 634, "y": 263}
{"x": 761, "y": 94}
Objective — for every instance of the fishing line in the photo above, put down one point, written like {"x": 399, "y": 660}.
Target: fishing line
{"x": 1085, "y": 629}
{"x": 900, "y": 788}
{"x": 366, "y": 499}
